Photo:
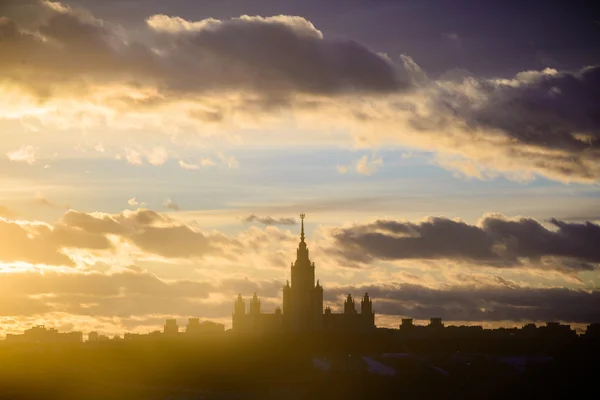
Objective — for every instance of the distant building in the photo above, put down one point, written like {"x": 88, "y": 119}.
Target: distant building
{"x": 171, "y": 327}
{"x": 593, "y": 331}
{"x": 407, "y": 324}
{"x": 436, "y": 323}
{"x": 303, "y": 305}
{"x": 132, "y": 336}
{"x": 92, "y": 336}
{"x": 41, "y": 334}
{"x": 556, "y": 329}
{"x": 194, "y": 326}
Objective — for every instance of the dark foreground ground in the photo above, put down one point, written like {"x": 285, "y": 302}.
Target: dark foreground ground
{"x": 301, "y": 368}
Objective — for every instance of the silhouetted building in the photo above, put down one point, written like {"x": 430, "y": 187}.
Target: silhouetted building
{"x": 436, "y": 323}
{"x": 92, "y": 336}
{"x": 557, "y": 330}
{"x": 41, "y": 334}
{"x": 302, "y": 305}
{"x": 195, "y": 327}
{"x": 171, "y": 328}
{"x": 593, "y": 331}
{"x": 407, "y": 324}
{"x": 351, "y": 320}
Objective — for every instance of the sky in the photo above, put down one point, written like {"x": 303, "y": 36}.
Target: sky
{"x": 155, "y": 157}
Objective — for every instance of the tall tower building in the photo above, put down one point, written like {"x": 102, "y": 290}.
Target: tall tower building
{"x": 302, "y": 299}
{"x": 303, "y": 305}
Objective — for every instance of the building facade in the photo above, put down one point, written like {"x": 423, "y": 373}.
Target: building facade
{"x": 303, "y": 305}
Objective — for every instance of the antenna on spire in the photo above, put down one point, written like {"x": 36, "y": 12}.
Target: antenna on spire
{"x": 302, "y": 216}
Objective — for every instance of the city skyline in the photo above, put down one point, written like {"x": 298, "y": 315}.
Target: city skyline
{"x": 155, "y": 156}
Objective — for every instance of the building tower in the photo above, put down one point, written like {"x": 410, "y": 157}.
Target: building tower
{"x": 366, "y": 312}
{"x": 255, "y": 305}
{"x": 349, "y": 307}
{"x": 366, "y": 305}
{"x": 253, "y": 319}
{"x": 239, "y": 314}
{"x": 171, "y": 328}
{"x": 302, "y": 299}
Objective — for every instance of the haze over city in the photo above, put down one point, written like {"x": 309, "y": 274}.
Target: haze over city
{"x": 156, "y": 155}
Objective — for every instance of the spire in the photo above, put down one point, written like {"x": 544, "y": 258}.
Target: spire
{"x": 302, "y": 216}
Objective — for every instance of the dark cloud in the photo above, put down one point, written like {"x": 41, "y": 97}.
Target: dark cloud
{"x": 547, "y": 110}
{"x": 496, "y": 241}
{"x": 551, "y": 119}
{"x": 479, "y": 304}
{"x": 272, "y": 57}
{"x": 270, "y": 220}
{"x": 77, "y": 49}
{"x": 148, "y": 230}
{"x": 287, "y": 54}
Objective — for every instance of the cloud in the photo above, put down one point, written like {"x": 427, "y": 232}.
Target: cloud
{"x": 479, "y": 304}
{"x": 132, "y": 201}
{"x": 270, "y": 55}
{"x": 207, "y": 162}
{"x": 451, "y": 36}
{"x": 495, "y": 241}
{"x": 151, "y": 232}
{"x": 342, "y": 169}
{"x": 157, "y": 156}
{"x": 230, "y": 161}
{"x": 364, "y": 166}
{"x": 133, "y": 157}
{"x": 367, "y": 166}
{"x": 275, "y": 55}
{"x": 37, "y": 244}
{"x": 83, "y": 239}
{"x": 168, "y": 204}
{"x": 24, "y": 154}
{"x": 190, "y": 167}
{"x": 552, "y": 110}
{"x": 270, "y": 220}
{"x": 542, "y": 122}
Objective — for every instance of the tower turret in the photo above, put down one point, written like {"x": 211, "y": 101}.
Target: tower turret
{"x": 255, "y": 305}
{"x": 286, "y": 298}
{"x": 303, "y": 270}
{"x": 366, "y": 305}
{"x": 349, "y": 307}
{"x": 239, "y": 307}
